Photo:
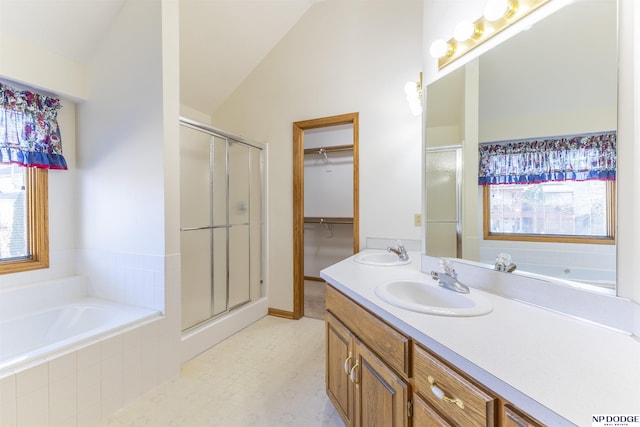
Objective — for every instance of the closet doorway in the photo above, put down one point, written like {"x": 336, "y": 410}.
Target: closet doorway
{"x": 325, "y": 199}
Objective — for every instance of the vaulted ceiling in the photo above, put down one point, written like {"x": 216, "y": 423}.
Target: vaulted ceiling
{"x": 221, "y": 41}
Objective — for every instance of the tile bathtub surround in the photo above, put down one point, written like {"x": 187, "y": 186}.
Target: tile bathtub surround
{"x": 86, "y": 384}
{"x": 270, "y": 374}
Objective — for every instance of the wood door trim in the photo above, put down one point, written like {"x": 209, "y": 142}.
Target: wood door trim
{"x": 298, "y": 197}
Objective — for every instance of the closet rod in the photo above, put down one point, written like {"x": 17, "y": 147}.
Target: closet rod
{"x": 332, "y": 149}
{"x": 320, "y": 220}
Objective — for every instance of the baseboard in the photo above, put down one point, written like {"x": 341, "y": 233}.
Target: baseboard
{"x": 280, "y": 313}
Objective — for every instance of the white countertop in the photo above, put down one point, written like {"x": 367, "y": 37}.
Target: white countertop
{"x": 559, "y": 369}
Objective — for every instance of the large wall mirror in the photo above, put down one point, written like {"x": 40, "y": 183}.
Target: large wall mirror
{"x": 557, "y": 78}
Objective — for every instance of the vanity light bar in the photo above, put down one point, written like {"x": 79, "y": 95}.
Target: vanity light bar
{"x": 498, "y": 15}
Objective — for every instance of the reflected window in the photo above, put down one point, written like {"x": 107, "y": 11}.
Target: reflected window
{"x": 575, "y": 209}
{"x": 558, "y": 189}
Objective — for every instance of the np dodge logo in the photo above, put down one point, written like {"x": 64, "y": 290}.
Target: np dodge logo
{"x": 615, "y": 420}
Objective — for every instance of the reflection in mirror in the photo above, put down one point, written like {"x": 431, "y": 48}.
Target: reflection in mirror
{"x": 557, "y": 78}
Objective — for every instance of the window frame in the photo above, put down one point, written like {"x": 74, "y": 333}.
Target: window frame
{"x": 610, "y": 239}
{"x": 37, "y": 181}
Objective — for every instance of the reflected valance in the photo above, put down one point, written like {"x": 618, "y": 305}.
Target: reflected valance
{"x": 29, "y": 131}
{"x": 563, "y": 158}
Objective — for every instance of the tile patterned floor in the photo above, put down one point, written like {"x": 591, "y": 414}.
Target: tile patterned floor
{"x": 270, "y": 374}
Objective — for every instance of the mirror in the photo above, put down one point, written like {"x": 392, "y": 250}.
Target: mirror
{"x": 559, "y": 77}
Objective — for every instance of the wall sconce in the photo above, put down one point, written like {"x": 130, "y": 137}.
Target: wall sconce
{"x": 498, "y": 15}
{"x": 413, "y": 90}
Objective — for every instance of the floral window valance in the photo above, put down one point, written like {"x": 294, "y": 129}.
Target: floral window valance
{"x": 29, "y": 131}
{"x": 575, "y": 157}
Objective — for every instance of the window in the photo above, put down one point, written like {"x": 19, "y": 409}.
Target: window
{"x": 570, "y": 211}
{"x": 24, "y": 243}
{"x": 559, "y": 189}
{"x": 30, "y": 144}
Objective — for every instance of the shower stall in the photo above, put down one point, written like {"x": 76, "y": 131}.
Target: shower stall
{"x": 221, "y": 227}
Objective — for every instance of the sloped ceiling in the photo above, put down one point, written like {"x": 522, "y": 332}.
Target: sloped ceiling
{"x": 221, "y": 41}
{"x": 70, "y": 28}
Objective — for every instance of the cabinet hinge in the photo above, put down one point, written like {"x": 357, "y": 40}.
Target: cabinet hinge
{"x": 410, "y": 407}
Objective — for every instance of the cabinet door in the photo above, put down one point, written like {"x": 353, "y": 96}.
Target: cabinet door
{"x": 382, "y": 396}
{"x": 425, "y": 416}
{"x": 340, "y": 361}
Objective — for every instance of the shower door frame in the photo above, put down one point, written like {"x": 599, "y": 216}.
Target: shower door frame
{"x": 231, "y": 139}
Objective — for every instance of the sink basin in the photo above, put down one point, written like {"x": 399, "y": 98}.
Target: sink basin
{"x": 428, "y": 297}
{"x": 384, "y": 259}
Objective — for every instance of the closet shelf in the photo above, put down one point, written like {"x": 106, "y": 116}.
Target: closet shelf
{"x": 330, "y": 149}
{"x": 327, "y": 220}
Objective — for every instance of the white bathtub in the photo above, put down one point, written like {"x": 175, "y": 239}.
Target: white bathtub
{"x": 42, "y": 320}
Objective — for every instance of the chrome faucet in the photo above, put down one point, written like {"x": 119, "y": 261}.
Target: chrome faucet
{"x": 400, "y": 251}
{"x": 449, "y": 278}
{"x": 503, "y": 263}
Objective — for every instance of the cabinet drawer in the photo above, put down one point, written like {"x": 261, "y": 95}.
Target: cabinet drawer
{"x": 451, "y": 394}
{"x": 389, "y": 344}
{"x": 425, "y": 416}
{"x": 515, "y": 418}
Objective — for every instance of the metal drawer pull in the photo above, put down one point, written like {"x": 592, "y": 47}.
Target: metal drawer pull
{"x": 517, "y": 420}
{"x": 346, "y": 364}
{"x": 352, "y": 374}
{"x": 439, "y": 393}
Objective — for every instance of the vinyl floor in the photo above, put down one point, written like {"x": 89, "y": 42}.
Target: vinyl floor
{"x": 270, "y": 374}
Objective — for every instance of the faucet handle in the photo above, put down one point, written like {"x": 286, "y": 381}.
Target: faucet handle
{"x": 446, "y": 267}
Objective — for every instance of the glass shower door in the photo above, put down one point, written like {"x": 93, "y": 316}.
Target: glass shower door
{"x": 443, "y": 205}
{"x": 195, "y": 217}
{"x": 220, "y": 224}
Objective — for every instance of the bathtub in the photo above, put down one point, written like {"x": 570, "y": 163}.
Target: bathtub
{"x": 40, "y": 321}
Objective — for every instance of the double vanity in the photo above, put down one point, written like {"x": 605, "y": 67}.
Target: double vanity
{"x": 405, "y": 350}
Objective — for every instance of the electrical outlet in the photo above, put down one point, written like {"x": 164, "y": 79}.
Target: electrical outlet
{"x": 417, "y": 220}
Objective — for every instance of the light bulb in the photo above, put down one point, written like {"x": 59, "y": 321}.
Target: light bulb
{"x": 440, "y": 48}
{"x": 410, "y": 87}
{"x": 496, "y": 9}
{"x": 416, "y": 110}
{"x": 464, "y": 31}
{"x": 413, "y": 96}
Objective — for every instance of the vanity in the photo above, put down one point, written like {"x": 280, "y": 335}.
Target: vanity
{"x": 517, "y": 365}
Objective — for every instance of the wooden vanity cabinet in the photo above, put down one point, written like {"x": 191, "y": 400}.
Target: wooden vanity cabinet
{"x": 377, "y": 376}
{"x": 365, "y": 388}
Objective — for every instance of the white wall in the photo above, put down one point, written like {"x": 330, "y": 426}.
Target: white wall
{"x": 62, "y": 76}
{"x": 341, "y": 57}
{"x": 121, "y": 164}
